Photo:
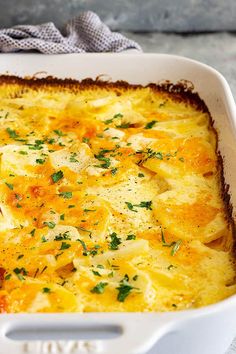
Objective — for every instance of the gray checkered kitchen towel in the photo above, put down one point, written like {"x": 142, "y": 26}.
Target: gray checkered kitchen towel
{"x": 85, "y": 33}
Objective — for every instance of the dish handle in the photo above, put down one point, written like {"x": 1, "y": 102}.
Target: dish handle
{"x": 134, "y": 334}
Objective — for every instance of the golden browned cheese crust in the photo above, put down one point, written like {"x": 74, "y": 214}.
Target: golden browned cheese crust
{"x": 112, "y": 199}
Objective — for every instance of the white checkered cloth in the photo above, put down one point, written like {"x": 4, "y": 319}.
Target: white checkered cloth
{"x": 85, "y": 33}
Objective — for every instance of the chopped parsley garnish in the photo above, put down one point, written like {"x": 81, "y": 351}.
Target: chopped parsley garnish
{"x": 147, "y": 205}
{"x": 64, "y": 246}
{"x": 40, "y": 161}
{"x": 124, "y": 289}
{"x": 62, "y": 217}
{"x": 123, "y": 125}
{"x": 144, "y": 204}
{"x": 130, "y": 206}
{"x": 83, "y": 245}
{"x": 174, "y": 244}
{"x": 20, "y": 272}
{"x": 32, "y": 232}
{"x": 109, "y": 121}
{"x": 64, "y": 236}
{"x": 58, "y": 132}
{"x": 9, "y": 185}
{"x": 101, "y": 157}
{"x": 88, "y": 210}
{"x": 141, "y": 175}
{"x": 7, "y": 277}
{"x": 43, "y": 239}
{"x": 176, "y": 247}
{"x": 149, "y": 125}
{"x": 71, "y": 206}
{"x": 114, "y": 171}
{"x": 18, "y": 206}
{"x": 83, "y": 229}
{"x": 73, "y": 157}
{"x": 85, "y": 140}
{"x": 50, "y": 224}
{"x": 118, "y": 115}
{"x": 115, "y": 241}
{"x": 181, "y": 159}
{"x": 46, "y": 290}
{"x": 170, "y": 267}
{"x": 131, "y": 237}
{"x": 99, "y": 288}
{"x": 150, "y": 154}
{"x": 20, "y": 256}
{"x": 57, "y": 176}
{"x": 106, "y": 160}
{"x": 12, "y": 134}
{"x": 154, "y": 154}
{"x": 96, "y": 273}
{"x": 23, "y": 152}
{"x": 37, "y": 145}
{"x": 51, "y": 141}
{"x": 66, "y": 195}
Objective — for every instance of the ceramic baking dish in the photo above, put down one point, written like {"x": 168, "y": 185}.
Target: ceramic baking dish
{"x": 207, "y": 330}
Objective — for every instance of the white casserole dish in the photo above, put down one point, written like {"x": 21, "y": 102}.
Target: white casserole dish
{"x": 207, "y": 330}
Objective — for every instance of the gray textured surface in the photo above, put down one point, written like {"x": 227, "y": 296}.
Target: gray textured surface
{"x": 217, "y": 50}
{"x": 132, "y": 15}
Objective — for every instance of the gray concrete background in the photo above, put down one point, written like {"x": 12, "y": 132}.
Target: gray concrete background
{"x": 215, "y": 49}
{"x": 127, "y": 15}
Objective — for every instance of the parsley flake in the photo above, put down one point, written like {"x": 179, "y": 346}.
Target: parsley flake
{"x": 123, "y": 125}
{"x": 115, "y": 241}
{"x": 64, "y": 246}
{"x": 85, "y": 140}
{"x": 66, "y": 195}
{"x": 109, "y": 121}
{"x": 12, "y": 134}
{"x": 57, "y": 176}
{"x": 124, "y": 289}
{"x": 144, "y": 204}
{"x": 9, "y": 185}
{"x": 46, "y": 290}
{"x": 40, "y": 161}
{"x": 99, "y": 288}
{"x": 175, "y": 244}
{"x": 50, "y": 224}
{"x": 58, "y": 132}
{"x": 151, "y": 124}
{"x": 131, "y": 237}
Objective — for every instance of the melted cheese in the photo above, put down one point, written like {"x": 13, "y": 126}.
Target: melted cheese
{"x": 110, "y": 201}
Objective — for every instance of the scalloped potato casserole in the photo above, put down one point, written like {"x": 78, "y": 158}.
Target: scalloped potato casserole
{"x": 112, "y": 198}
